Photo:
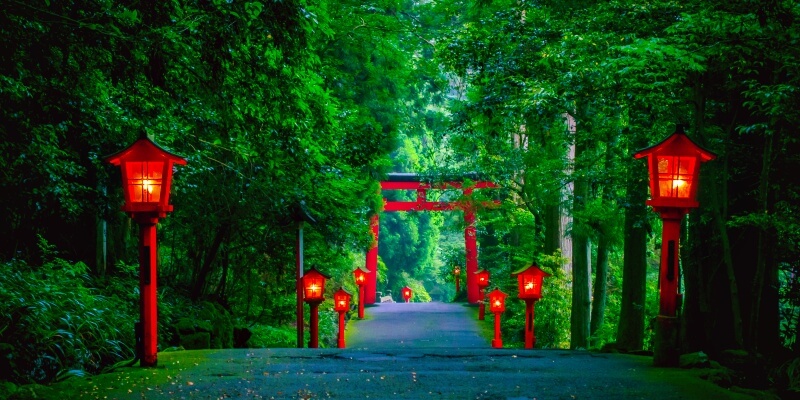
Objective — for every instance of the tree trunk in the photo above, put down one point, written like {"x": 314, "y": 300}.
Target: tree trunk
{"x": 763, "y": 333}
{"x": 719, "y": 210}
{"x": 552, "y": 228}
{"x": 630, "y": 332}
{"x": 600, "y": 285}
{"x": 581, "y": 267}
{"x": 210, "y": 257}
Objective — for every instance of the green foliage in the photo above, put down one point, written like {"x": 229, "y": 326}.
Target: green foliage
{"x": 54, "y": 322}
{"x": 265, "y": 336}
{"x": 787, "y": 377}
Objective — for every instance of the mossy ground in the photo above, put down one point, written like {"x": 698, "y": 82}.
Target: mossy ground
{"x": 130, "y": 379}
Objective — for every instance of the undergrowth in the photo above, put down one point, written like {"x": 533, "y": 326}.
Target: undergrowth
{"x": 54, "y": 323}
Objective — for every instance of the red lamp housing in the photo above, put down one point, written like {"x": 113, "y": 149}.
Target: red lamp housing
{"x": 497, "y": 301}
{"x": 314, "y": 285}
{"x": 482, "y": 276}
{"x": 341, "y": 300}
{"x": 406, "y": 293}
{"x": 146, "y": 177}
{"x": 529, "y": 282}
{"x": 674, "y": 167}
{"x": 360, "y": 275}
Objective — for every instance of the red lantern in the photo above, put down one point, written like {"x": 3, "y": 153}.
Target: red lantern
{"x": 146, "y": 180}
{"x": 146, "y": 177}
{"x": 314, "y": 293}
{"x": 482, "y": 276}
{"x": 457, "y": 275}
{"x": 497, "y": 301}
{"x": 674, "y": 167}
{"x": 360, "y": 275}
{"x": 341, "y": 304}
{"x": 529, "y": 281}
{"x": 314, "y": 286}
{"x": 497, "y": 305}
{"x": 341, "y": 300}
{"x": 406, "y": 293}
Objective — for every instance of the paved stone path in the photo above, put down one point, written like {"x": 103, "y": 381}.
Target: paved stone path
{"x": 415, "y": 325}
{"x": 434, "y": 352}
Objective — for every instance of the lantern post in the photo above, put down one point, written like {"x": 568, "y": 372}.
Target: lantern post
{"x": 457, "y": 275}
{"x": 674, "y": 169}
{"x": 300, "y": 215}
{"x": 360, "y": 275}
{"x": 482, "y": 281}
{"x": 406, "y": 293}
{"x": 529, "y": 282}
{"x": 341, "y": 304}
{"x": 146, "y": 180}
{"x": 314, "y": 294}
{"x": 497, "y": 306}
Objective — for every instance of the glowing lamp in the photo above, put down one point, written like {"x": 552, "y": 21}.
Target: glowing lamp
{"x": 146, "y": 180}
{"x": 360, "y": 275}
{"x": 482, "y": 276}
{"x": 457, "y": 276}
{"x": 314, "y": 285}
{"x": 341, "y": 300}
{"x": 674, "y": 168}
{"x": 529, "y": 282}
{"x": 146, "y": 177}
{"x": 406, "y": 291}
{"x": 497, "y": 301}
{"x": 341, "y": 304}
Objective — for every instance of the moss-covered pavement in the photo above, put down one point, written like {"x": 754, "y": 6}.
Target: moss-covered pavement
{"x": 415, "y": 371}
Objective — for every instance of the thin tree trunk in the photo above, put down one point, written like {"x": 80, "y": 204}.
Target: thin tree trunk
{"x": 758, "y": 288}
{"x": 210, "y": 256}
{"x": 630, "y": 332}
{"x": 720, "y": 219}
{"x": 552, "y": 228}
{"x": 223, "y": 280}
{"x": 581, "y": 267}
{"x": 600, "y": 285}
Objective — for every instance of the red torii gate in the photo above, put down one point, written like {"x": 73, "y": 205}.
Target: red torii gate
{"x": 408, "y": 181}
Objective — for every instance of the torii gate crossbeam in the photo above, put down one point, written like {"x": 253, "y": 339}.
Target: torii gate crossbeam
{"x": 403, "y": 181}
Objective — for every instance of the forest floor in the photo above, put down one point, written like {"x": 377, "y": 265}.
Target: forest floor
{"x": 399, "y": 351}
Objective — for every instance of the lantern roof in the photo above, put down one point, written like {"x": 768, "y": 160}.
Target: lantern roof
{"x": 314, "y": 270}
{"x": 480, "y": 271}
{"x": 300, "y": 212}
{"x": 362, "y": 269}
{"x": 532, "y": 269}
{"x": 342, "y": 290}
{"x": 677, "y": 144}
{"x": 144, "y": 149}
{"x": 497, "y": 292}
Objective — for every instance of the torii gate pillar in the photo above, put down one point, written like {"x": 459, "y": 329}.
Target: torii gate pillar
{"x": 471, "y": 246}
{"x": 371, "y": 284}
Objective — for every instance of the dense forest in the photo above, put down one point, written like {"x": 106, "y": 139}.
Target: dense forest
{"x": 278, "y": 103}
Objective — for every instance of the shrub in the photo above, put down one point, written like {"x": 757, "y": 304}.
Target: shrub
{"x": 267, "y": 336}
{"x": 54, "y": 323}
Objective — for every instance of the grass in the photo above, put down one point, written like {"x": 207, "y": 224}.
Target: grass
{"x": 167, "y": 374}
